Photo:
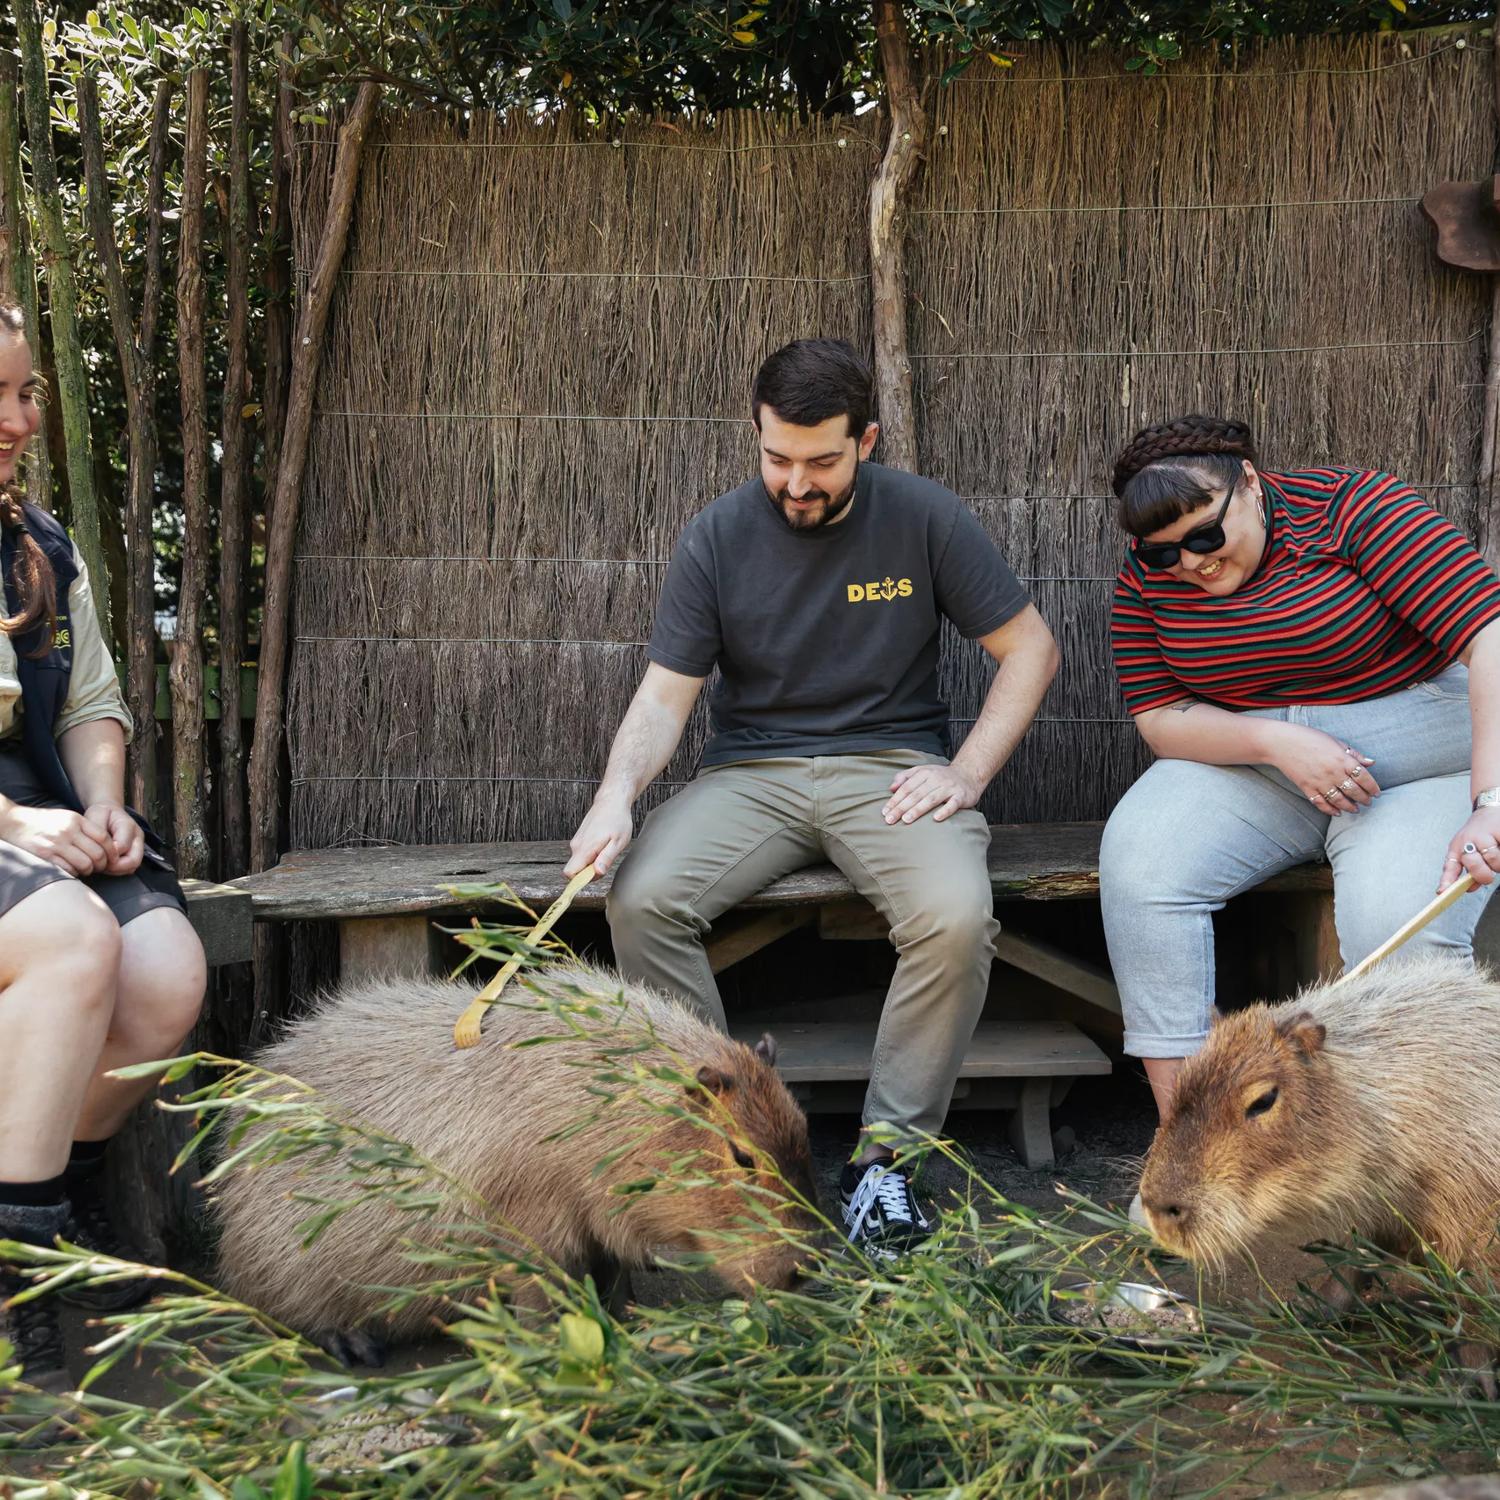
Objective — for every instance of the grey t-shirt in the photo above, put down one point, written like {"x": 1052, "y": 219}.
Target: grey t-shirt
{"x": 827, "y": 640}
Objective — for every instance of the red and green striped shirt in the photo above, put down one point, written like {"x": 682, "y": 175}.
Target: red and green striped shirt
{"x": 1364, "y": 589}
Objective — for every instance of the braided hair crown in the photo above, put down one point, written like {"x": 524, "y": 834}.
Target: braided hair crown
{"x": 1192, "y": 436}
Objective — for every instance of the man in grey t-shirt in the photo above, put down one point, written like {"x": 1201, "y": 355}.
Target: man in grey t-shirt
{"x": 817, "y": 589}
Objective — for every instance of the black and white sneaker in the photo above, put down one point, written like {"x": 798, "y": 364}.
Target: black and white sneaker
{"x": 880, "y": 1211}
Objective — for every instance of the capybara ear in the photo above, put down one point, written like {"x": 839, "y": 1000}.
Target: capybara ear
{"x": 713, "y": 1080}
{"x": 1305, "y": 1034}
{"x": 765, "y": 1049}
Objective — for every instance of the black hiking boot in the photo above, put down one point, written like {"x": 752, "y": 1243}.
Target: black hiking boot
{"x": 32, "y": 1331}
{"x": 90, "y": 1227}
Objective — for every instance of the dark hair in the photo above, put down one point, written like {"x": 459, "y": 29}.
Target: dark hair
{"x": 810, "y": 380}
{"x": 31, "y": 572}
{"x": 1174, "y": 468}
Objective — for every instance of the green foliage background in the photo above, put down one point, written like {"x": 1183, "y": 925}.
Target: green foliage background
{"x": 601, "y": 58}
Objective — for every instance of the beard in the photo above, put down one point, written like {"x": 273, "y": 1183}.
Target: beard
{"x": 809, "y": 517}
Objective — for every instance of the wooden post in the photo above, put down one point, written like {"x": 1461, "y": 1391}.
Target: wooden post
{"x": 17, "y": 265}
{"x": 62, "y": 301}
{"x": 234, "y": 474}
{"x": 187, "y": 653}
{"x": 1489, "y": 440}
{"x": 282, "y": 533}
{"x": 138, "y": 376}
{"x": 889, "y": 196}
{"x": 140, "y": 538}
{"x": 278, "y": 276}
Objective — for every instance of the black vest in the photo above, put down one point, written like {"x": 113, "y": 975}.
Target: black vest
{"x": 45, "y": 679}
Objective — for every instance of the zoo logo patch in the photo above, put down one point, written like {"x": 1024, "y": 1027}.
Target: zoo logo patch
{"x": 886, "y": 589}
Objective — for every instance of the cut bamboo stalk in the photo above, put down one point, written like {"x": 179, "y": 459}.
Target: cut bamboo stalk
{"x": 467, "y": 1029}
{"x": 281, "y": 535}
{"x": 234, "y": 474}
{"x": 17, "y": 264}
{"x": 890, "y": 195}
{"x": 186, "y": 675}
{"x": 62, "y": 301}
{"x": 1434, "y": 908}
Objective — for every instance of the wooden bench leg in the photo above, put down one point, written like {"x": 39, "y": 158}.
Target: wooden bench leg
{"x": 1031, "y": 1124}
{"x": 370, "y": 946}
{"x": 1317, "y": 939}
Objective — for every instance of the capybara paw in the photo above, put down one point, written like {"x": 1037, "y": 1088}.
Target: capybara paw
{"x": 1477, "y": 1362}
{"x": 351, "y": 1346}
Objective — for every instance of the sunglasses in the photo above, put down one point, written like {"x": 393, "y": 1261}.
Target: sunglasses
{"x": 1200, "y": 540}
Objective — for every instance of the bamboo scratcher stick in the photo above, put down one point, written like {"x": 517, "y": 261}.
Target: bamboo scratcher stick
{"x": 466, "y": 1032}
{"x": 1434, "y": 908}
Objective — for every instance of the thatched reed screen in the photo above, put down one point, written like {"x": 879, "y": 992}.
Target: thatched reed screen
{"x": 1094, "y": 250}
{"x": 538, "y": 361}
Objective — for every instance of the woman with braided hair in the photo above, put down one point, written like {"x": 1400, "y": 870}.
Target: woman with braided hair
{"x": 99, "y": 967}
{"x": 1314, "y": 657}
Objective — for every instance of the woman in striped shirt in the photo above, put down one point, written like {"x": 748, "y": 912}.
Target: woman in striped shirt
{"x": 1314, "y": 657}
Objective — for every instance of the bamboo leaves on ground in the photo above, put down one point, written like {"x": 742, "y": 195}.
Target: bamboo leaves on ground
{"x": 62, "y": 301}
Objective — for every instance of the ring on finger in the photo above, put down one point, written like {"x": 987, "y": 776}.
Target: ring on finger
{"x": 1329, "y": 795}
{"x": 1470, "y": 849}
{"x": 1348, "y": 784}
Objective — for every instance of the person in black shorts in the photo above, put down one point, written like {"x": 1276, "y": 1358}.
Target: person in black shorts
{"x": 99, "y": 966}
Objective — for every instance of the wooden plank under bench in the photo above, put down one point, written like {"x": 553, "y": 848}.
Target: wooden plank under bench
{"x": 1024, "y": 1066}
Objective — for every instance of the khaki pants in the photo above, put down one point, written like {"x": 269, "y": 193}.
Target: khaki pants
{"x": 738, "y": 827}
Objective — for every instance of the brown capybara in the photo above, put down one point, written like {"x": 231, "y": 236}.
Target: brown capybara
{"x": 526, "y": 1128}
{"x": 1370, "y": 1106}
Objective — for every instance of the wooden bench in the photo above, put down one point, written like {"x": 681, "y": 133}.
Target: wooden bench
{"x": 385, "y": 899}
{"x": 221, "y": 916}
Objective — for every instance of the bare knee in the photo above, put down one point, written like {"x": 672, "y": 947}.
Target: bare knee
{"x": 66, "y": 938}
{"x": 163, "y": 977}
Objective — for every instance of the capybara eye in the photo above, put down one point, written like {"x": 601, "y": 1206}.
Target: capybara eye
{"x": 742, "y": 1158}
{"x": 1261, "y": 1105}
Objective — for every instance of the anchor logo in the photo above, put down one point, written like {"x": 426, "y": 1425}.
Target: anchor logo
{"x": 877, "y": 589}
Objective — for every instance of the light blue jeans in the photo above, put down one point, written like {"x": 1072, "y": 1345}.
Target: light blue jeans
{"x": 1186, "y": 837}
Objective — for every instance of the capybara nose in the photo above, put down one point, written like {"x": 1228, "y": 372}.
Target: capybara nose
{"x": 1166, "y": 1208}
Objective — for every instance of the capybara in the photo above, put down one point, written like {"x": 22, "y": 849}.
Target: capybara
{"x": 1370, "y": 1107}
{"x": 527, "y": 1129}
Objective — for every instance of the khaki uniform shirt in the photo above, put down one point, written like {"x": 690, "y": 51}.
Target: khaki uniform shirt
{"x": 93, "y": 688}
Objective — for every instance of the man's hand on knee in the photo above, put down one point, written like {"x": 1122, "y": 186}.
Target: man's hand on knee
{"x": 939, "y": 790}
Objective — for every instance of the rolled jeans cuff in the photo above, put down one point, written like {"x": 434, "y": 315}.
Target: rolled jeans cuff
{"x": 1153, "y": 1044}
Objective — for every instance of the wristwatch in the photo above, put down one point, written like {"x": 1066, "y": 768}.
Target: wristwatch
{"x": 1489, "y": 797}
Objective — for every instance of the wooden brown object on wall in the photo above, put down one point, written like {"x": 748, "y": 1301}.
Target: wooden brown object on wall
{"x": 186, "y": 675}
{"x": 234, "y": 493}
{"x": 306, "y": 356}
{"x": 1466, "y": 216}
{"x": 890, "y": 195}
